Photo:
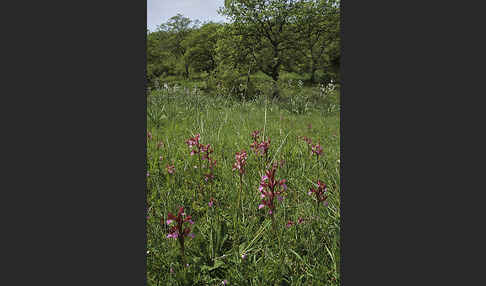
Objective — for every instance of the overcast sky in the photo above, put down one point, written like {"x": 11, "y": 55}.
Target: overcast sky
{"x": 159, "y": 11}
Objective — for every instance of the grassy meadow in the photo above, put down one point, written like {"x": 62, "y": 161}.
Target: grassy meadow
{"x": 235, "y": 242}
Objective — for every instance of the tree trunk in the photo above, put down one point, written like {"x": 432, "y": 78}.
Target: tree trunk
{"x": 247, "y": 83}
{"x": 313, "y": 73}
{"x": 187, "y": 71}
{"x": 275, "y": 73}
{"x": 275, "y": 76}
{"x": 276, "y": 91}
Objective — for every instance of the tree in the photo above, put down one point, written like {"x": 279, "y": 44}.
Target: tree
{"x": 271, "y": 36}
{"x": 178, "y": 28}
{"x": 235, "y": 57}
{"x": 333, "y": 48}
{"x": 200, "y": 47}
{"x": 267, "y": 23}
{"x": 158, "y": 59}
{"x": 316, "y": 22}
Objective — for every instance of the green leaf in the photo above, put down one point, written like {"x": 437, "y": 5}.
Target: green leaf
{"x": 296, "y": 254}
{"x": 217, "y": 264}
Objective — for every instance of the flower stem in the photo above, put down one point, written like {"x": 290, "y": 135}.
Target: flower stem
{"x": 239, "y": 195}
{"x": 181, "y": 243}
{"x": 200, "y": 171}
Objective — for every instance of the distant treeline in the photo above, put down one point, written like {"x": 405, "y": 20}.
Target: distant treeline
{"x": 266, "y": 36}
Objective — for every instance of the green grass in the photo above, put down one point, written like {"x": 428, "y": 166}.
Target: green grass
{"x": 304, "y": 254}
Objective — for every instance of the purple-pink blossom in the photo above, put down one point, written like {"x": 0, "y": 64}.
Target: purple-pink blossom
{"x": 240, "y": 163}
{"x": 198, "y": 148}
{"x": 320, "y": 192}
{"x": 255, "y": 135}
{"x": 317, "y": 149}
{"x": 193, "y": 141}
{"x": 260, "y": 148}
{"x": 170, "y": 169}
{"x": 173, "y": 235}
{"x": 270, "y": 188}
{"x": 178, "y": 230}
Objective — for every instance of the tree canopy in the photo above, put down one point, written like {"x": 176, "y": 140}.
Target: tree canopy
{"x": 267, "y": 36}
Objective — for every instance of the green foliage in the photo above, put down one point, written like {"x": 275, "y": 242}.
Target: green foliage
{"x": 268, "y": 26}
{"x": 274, "y": 37}
{"x": 220, "y": 80}
{"x": 293, "y": 77}
{"x": 317, "y": 23}
{"x": 303, "y": 254}
{"x": 201, "y": 47}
